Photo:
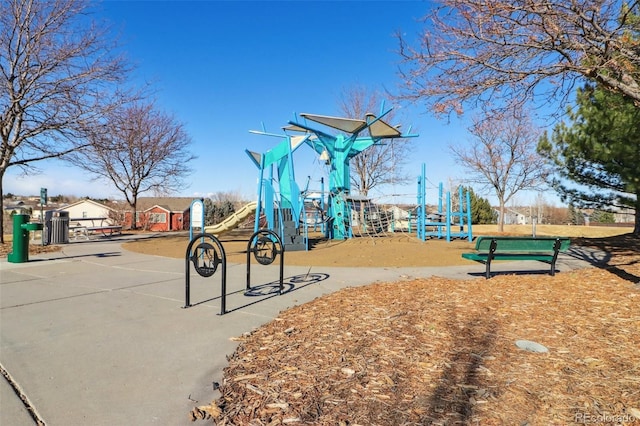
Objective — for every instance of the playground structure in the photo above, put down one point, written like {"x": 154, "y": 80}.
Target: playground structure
{"x": 440, "y": 223}
{"x": 283, "y": 207}
{"x": 289, "y": 211}
{"x": 449, "y": 218}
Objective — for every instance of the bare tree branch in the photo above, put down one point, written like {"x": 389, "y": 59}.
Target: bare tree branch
{"x": 140, "y": 150}
{"x": 381, "y": 163}
{"x": 58, "y": 77}
{"x": 503, "y": 157}
{"x": 504, "y": 54}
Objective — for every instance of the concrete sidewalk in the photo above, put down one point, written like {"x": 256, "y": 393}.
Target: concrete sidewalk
{"x": 97, "y": 335}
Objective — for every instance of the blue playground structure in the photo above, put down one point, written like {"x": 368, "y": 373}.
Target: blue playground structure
{"x": 283, "y": 206}
{"x": 440, "y": 223}
{"x": 289, "y": 211}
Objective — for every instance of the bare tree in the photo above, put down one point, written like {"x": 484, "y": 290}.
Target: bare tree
{"x": 381, "y": 163}
{"x": 513, "y": 51}
{"x": 57, "y": 78}
{"x": 233, "y": 197}
{"x": 142, "y": 150}
{"x": 502, "y": 157}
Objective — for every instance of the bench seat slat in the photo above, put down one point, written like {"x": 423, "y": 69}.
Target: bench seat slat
{"x": 482, "y": 257}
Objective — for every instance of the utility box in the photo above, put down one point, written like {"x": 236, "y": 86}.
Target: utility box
{"x": 21, "y": 228}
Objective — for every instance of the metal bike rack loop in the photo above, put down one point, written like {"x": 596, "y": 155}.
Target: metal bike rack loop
{"x": 206, "y": 256}
{"x": 265, "y": 245}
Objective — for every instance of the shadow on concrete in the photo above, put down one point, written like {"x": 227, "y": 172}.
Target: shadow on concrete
{"x": 272, "y": 289}
{"x": 614, "y": 254}
{"x": 62, "y": 256}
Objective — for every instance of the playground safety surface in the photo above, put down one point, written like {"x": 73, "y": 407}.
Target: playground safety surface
{"x": 95, "y": 335}
{"x": 400, "y": 250}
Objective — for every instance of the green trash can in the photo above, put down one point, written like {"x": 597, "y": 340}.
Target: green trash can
{"x": 21, "y": 228}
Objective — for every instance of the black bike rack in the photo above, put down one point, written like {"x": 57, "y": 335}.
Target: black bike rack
{"x": 205, "y": 258}
{"x": 265, "y": 245}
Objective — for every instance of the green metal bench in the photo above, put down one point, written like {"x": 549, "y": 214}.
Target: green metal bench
{"x": 544, "y": 249}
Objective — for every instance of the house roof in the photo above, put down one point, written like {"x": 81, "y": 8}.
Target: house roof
{"x": 171, "y": 204}
{"x": 86, "y": 201}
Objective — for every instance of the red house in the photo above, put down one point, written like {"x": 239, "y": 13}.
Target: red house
{"x": 160, "y": 214}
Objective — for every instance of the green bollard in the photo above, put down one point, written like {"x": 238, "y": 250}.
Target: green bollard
{"x": 21, "y": 229}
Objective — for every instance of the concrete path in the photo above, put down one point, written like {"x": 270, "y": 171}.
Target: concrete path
{"x": 97, "y": 335}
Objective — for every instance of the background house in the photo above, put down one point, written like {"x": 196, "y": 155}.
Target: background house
{"x": 30, "y": 207}
{"x": 161, "y": 214}
{"x": 512, "y": 216}
{"x": 18, "y": 207}
{"x": 90, "y": 213}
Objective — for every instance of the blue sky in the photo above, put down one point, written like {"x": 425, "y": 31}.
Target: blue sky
{"x": 225, "y": 67}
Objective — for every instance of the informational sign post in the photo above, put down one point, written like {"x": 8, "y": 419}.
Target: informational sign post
{"x": 196, "y": 217}
{"x": 43, "y": 202}
{"x": 43, "y": 196}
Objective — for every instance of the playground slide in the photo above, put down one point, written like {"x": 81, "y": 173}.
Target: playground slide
{"x": 232, "y": 221}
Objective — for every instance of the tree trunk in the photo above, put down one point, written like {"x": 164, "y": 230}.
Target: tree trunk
{"x": 636, "y": 227}
{"x": 134, "y": 214}
{"x": 501, "y": 218}
{"x": 2, "y": 208}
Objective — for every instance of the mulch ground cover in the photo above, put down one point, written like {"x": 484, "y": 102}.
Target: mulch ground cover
{"x": 443, "y": 352}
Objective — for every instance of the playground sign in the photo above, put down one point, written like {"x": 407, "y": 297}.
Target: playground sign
{"x": 43, "y": 196}
{"x": 196, "y": 216}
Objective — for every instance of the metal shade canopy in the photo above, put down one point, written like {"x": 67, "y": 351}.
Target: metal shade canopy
{"x": 349, "y": 125}
{"x": 382, "y": 129}
{"x": 295, "y": 128}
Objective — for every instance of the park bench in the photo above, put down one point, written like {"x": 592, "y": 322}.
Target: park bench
{"x": 543, "y": 249}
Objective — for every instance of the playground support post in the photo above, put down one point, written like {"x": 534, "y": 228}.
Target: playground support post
{"x": 422, "y": 204}
{"x": 444, "y": 218}
{"x": 448, "y": 214}
{"x": 469, "y": 224}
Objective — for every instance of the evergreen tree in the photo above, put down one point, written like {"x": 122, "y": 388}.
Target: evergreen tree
{"x": 217, "y": 211}
{"x": 575, "y": 216}
{"x": 599, "y": 150}
{"x": 208, "y": 212}
{"x": 481, "y": 210}
{"x": 601, "y": 216}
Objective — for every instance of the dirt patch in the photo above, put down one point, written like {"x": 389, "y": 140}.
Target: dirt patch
{"x": 391, "y": 250}
{"x": 397, "y": 250}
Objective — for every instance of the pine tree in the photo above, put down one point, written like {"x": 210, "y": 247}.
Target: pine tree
{"x": 596, "y": 155}
{"x": 575, "y": 216}
{"x": 481, "y": 210}
{"x": 601, "y": 216}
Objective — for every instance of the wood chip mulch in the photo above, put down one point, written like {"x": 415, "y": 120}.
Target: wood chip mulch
{"x": 442, "y": 352}
{"x": 34, "y": 248}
